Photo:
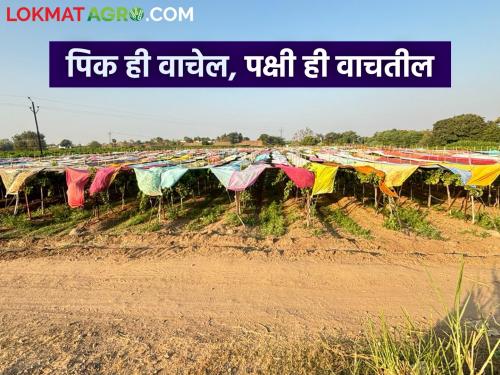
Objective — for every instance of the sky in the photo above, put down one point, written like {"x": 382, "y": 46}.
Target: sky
{"x": 83, "y": 115}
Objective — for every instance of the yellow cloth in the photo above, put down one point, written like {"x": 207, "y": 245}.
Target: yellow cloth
{"x": 15, "y": 179}
{"x": 484, "y": 175}
{"x": 481, "y": 175}
{"x": 395, "y": 175}
{"x": 324, "y": 178}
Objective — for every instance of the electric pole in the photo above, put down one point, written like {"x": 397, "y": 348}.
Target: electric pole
{"x": 35, "y": 111}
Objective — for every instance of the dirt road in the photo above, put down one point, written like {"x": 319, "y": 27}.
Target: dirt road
{"x": 60, "y": 312}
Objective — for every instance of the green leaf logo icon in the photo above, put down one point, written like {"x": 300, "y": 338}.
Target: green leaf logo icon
{"x": 136, "y": 14}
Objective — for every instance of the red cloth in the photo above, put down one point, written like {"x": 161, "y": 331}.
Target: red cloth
{"x": 301, "y": 177}
{"x": 102, "y": 179}
{"x": 445, "y": 158}
{"x": 76, "y": 179}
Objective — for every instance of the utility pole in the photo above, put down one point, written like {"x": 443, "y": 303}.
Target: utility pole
{"x": 109, "y": 137}
{"x": 35, "y": 111}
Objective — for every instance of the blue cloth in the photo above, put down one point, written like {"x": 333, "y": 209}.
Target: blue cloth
{"x": 464, "y": 175}
{"x": 225, "y": 172}
{"x": 170, "y": 176}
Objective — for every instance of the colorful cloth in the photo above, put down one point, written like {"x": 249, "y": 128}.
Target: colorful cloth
{"x": 324, "y": 178}
{"x": 170, "y": 176}
{"x": 103, "y": 179}
{"x": 301, "y": 177}
{"x": 484, "y": 175}
{"x": 76, "y": 180}
{"x": 240, "y": 180}
{"x": 149, "y": 180}
{"x": 224, "y": 173}
{"x": 383, "y": 187}
{"x": 395, "y": 175}
{"x": 15, "y": 179}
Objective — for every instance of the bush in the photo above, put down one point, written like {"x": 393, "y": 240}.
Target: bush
{"x": 272, "y": 220}
{"x": 413, "y": 220}
{"x": 344, "y": 221}
{"x": 488, "y": 222}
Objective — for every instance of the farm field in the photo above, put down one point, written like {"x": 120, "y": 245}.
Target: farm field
{"x": 200, "y": 267}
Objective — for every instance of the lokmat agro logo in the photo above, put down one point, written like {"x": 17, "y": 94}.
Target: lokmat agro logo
{"x": 109, "y": 14}
{"x": 136, "y": 14}
{"x": 155, "y": 14}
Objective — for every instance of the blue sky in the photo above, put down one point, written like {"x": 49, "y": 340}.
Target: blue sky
{"x": 87, "y": 114}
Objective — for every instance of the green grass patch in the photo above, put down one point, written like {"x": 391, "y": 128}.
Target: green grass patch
{"x": 207, "y": 216}
{"x": 272, "y": 220}
{"x": 408, "y": 218}
{"x": 341, "y": 220}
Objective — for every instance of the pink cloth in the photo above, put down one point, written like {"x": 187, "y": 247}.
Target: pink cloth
{"x": 76, "y": 179}
{"x": 102, "y": 179}
{"x": 240, "y": 180}
{"x": 301, "y": 177}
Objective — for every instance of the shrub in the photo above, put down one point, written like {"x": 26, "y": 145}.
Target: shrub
{"x": 344, "y": 221}
{"x": 272, "y": 220}
{"x": 413, "y": 220}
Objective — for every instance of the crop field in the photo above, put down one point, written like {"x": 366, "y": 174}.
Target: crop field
{"x": 285, "y": 260}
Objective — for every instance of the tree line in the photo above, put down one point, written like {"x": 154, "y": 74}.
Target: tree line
{"x": 461, "y": 130}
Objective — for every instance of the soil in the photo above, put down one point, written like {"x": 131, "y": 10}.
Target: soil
{"x": 161, "y": 302}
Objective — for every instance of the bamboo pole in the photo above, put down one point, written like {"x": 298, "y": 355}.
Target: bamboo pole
{"x": 27, "y": 205}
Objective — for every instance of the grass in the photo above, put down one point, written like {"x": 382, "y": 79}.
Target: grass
{"x": 456, "y": 346}
{"x": 413, "y": 220}
{"x": 488, "y": 222}
{"x": 59, "y": 219}
{"x": 483, "y": 219}
{"x": 340, "y": 219}
{"x": 272, "y": 220}
{"x": 207, "y": 216}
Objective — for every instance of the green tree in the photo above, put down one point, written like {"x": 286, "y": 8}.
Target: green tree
{"x": 347, "y": 137}
{"x": 271, "y": 140}
{"x": 232, "y": 138}
{"x": 397, "y": 137}
{"x": 66, "y": 143}
{"x": 94, "y": 144}
{"x": 491, "y": 132}
{"x": 6, "y": 145}
{"x": 457, "y": 128}
{"x": 28, "y": 140}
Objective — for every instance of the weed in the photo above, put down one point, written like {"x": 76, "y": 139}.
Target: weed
{"x": 413, "y": 220}
{"x": 488, "y": 222}
{"x": 207, "y": 216}
{"x": 457, "y": 348}
{"x": 457, "y": 214}
{"x": 272, "y": 221}
{"x": 344, "y": 221}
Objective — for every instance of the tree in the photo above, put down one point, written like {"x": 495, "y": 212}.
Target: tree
{"x": 306, "y": 137}
{"x": 28, "y": 140}
{"x": 232, "y": 138}
{"x": 454, "y": 129}
{"x": 94, "y": 144}
{"x": 6, "y": 145}
{"x": 347, "y": 137}
{"x": 66, "y": 143}
{"x": 397, "y": 137}
{"x": 188, "y": 140}
{"x": 270, "y": 140}
{"x": 491, "y": 132}
{"x": 301, "y": 134}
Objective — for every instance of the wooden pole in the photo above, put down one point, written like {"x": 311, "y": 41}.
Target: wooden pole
{"x": 27, "y": 204}
{"x": 472, "y": 208}
{"x": 41, "y": 200}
